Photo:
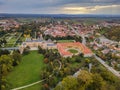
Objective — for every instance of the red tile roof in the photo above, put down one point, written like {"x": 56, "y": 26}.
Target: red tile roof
{"x": 63, "y": 46}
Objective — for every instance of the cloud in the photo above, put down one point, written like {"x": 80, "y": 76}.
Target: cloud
{"x": 59, "y": 6}
{"x": 90, "y": 9}
{"x": 88, "y": 1}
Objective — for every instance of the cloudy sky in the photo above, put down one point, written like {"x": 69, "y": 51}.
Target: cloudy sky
{"x": 61, "y": 6}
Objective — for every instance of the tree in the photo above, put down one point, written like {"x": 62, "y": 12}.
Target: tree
{"x": 84, "y": 78}
{"x": 46, "y": 60}
{"x": 68, "y": 83}
{"x": 98, "y": 83}
{"x": 108, "y": 77}
{"x": 6, "y": 63}
{"x": 26, "y": 50}
{"x": 17, "y": 58}
{"x": 3, "y": 84}
{"x": 4, "y": 52}
{"x": 67, "y": 71}
{"x": 5, "y": 66}
{"x": 52, "y": 81}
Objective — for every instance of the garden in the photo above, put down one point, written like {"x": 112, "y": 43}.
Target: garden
{"x": 29, "y": 70}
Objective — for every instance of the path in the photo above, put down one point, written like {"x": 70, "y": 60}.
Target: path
{"x": 17, "y": 39}
{"x": 10, "y": 48}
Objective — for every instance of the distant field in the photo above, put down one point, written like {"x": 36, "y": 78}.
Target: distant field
{"x": 64, "y": 41}
{"x": 28, "y": 71}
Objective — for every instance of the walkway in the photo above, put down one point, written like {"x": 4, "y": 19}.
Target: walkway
{"x": 10, "y": 48}
{"x": 17, "y": 39}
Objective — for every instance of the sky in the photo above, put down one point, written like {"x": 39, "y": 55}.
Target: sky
{"x": 111, "y": 7}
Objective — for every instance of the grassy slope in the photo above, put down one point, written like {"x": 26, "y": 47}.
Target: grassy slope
{"x": 28, "y": 71}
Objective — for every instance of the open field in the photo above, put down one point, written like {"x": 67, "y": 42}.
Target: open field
{"x": 28, "y": 71}
{"x": 73, "y": 51}
{"x": 63, "y": 41}
{"x": 34, "y": 87}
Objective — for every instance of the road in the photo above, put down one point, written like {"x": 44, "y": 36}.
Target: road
{"x": 116, "y": 73}
{"x": 81, "y": 35}
{"x": 104, "y": 39}
{"x": 10, "y": 48}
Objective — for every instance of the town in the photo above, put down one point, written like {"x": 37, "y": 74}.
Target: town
{"x": 51, "y": 49}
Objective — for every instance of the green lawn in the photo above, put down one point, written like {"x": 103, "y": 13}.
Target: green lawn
{"x": 28, "y": 71}
{"x": 73, "y": 51}
{"x": 34, "y": 87}
{"x": 64, "y": 41}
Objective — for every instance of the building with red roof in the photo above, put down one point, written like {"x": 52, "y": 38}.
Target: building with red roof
{"x": 63, "y": 49}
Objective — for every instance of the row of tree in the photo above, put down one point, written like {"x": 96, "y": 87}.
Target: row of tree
{"x": 76, "y": 38}
{"x": 87, "y": 81}
{"x": 7, "y": 62}
{"x": 111, "y": 33}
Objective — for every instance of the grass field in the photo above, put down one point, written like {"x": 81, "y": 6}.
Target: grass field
{"x": 64, "y": 41}
{"x": 34, "y": 87}
{"x": 73, "y": 51}
{"x": 28, "y": 71}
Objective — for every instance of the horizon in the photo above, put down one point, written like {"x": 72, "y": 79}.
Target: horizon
{"x": 75, "y": 7}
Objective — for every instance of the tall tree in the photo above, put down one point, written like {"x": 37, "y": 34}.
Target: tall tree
{"x": 17, "y": 58}
{"x": 84, "y": 78}
{"x": 6, "y": 63}
{"x": 98, "y": 83}
{"x": 68, "y": 83}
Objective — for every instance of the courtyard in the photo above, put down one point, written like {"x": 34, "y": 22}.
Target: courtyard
{"x": 74, "y": 48}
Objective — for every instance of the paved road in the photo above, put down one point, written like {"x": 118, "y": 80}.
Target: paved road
{"x": 83, "y": 39}
{"x": 116, "y": 73}
{"x": 104, "y": 39}
{"x": 10, "y": 48}
{"x": 81, "y": 35}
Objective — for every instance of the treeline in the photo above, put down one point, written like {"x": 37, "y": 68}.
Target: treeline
{"x": 7, "y": 62}
{"x": 31, "y": 28}
{"x": 112, "y": 33}
{"x": 89, "y": 81}
{"x": 76, "y": 38}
